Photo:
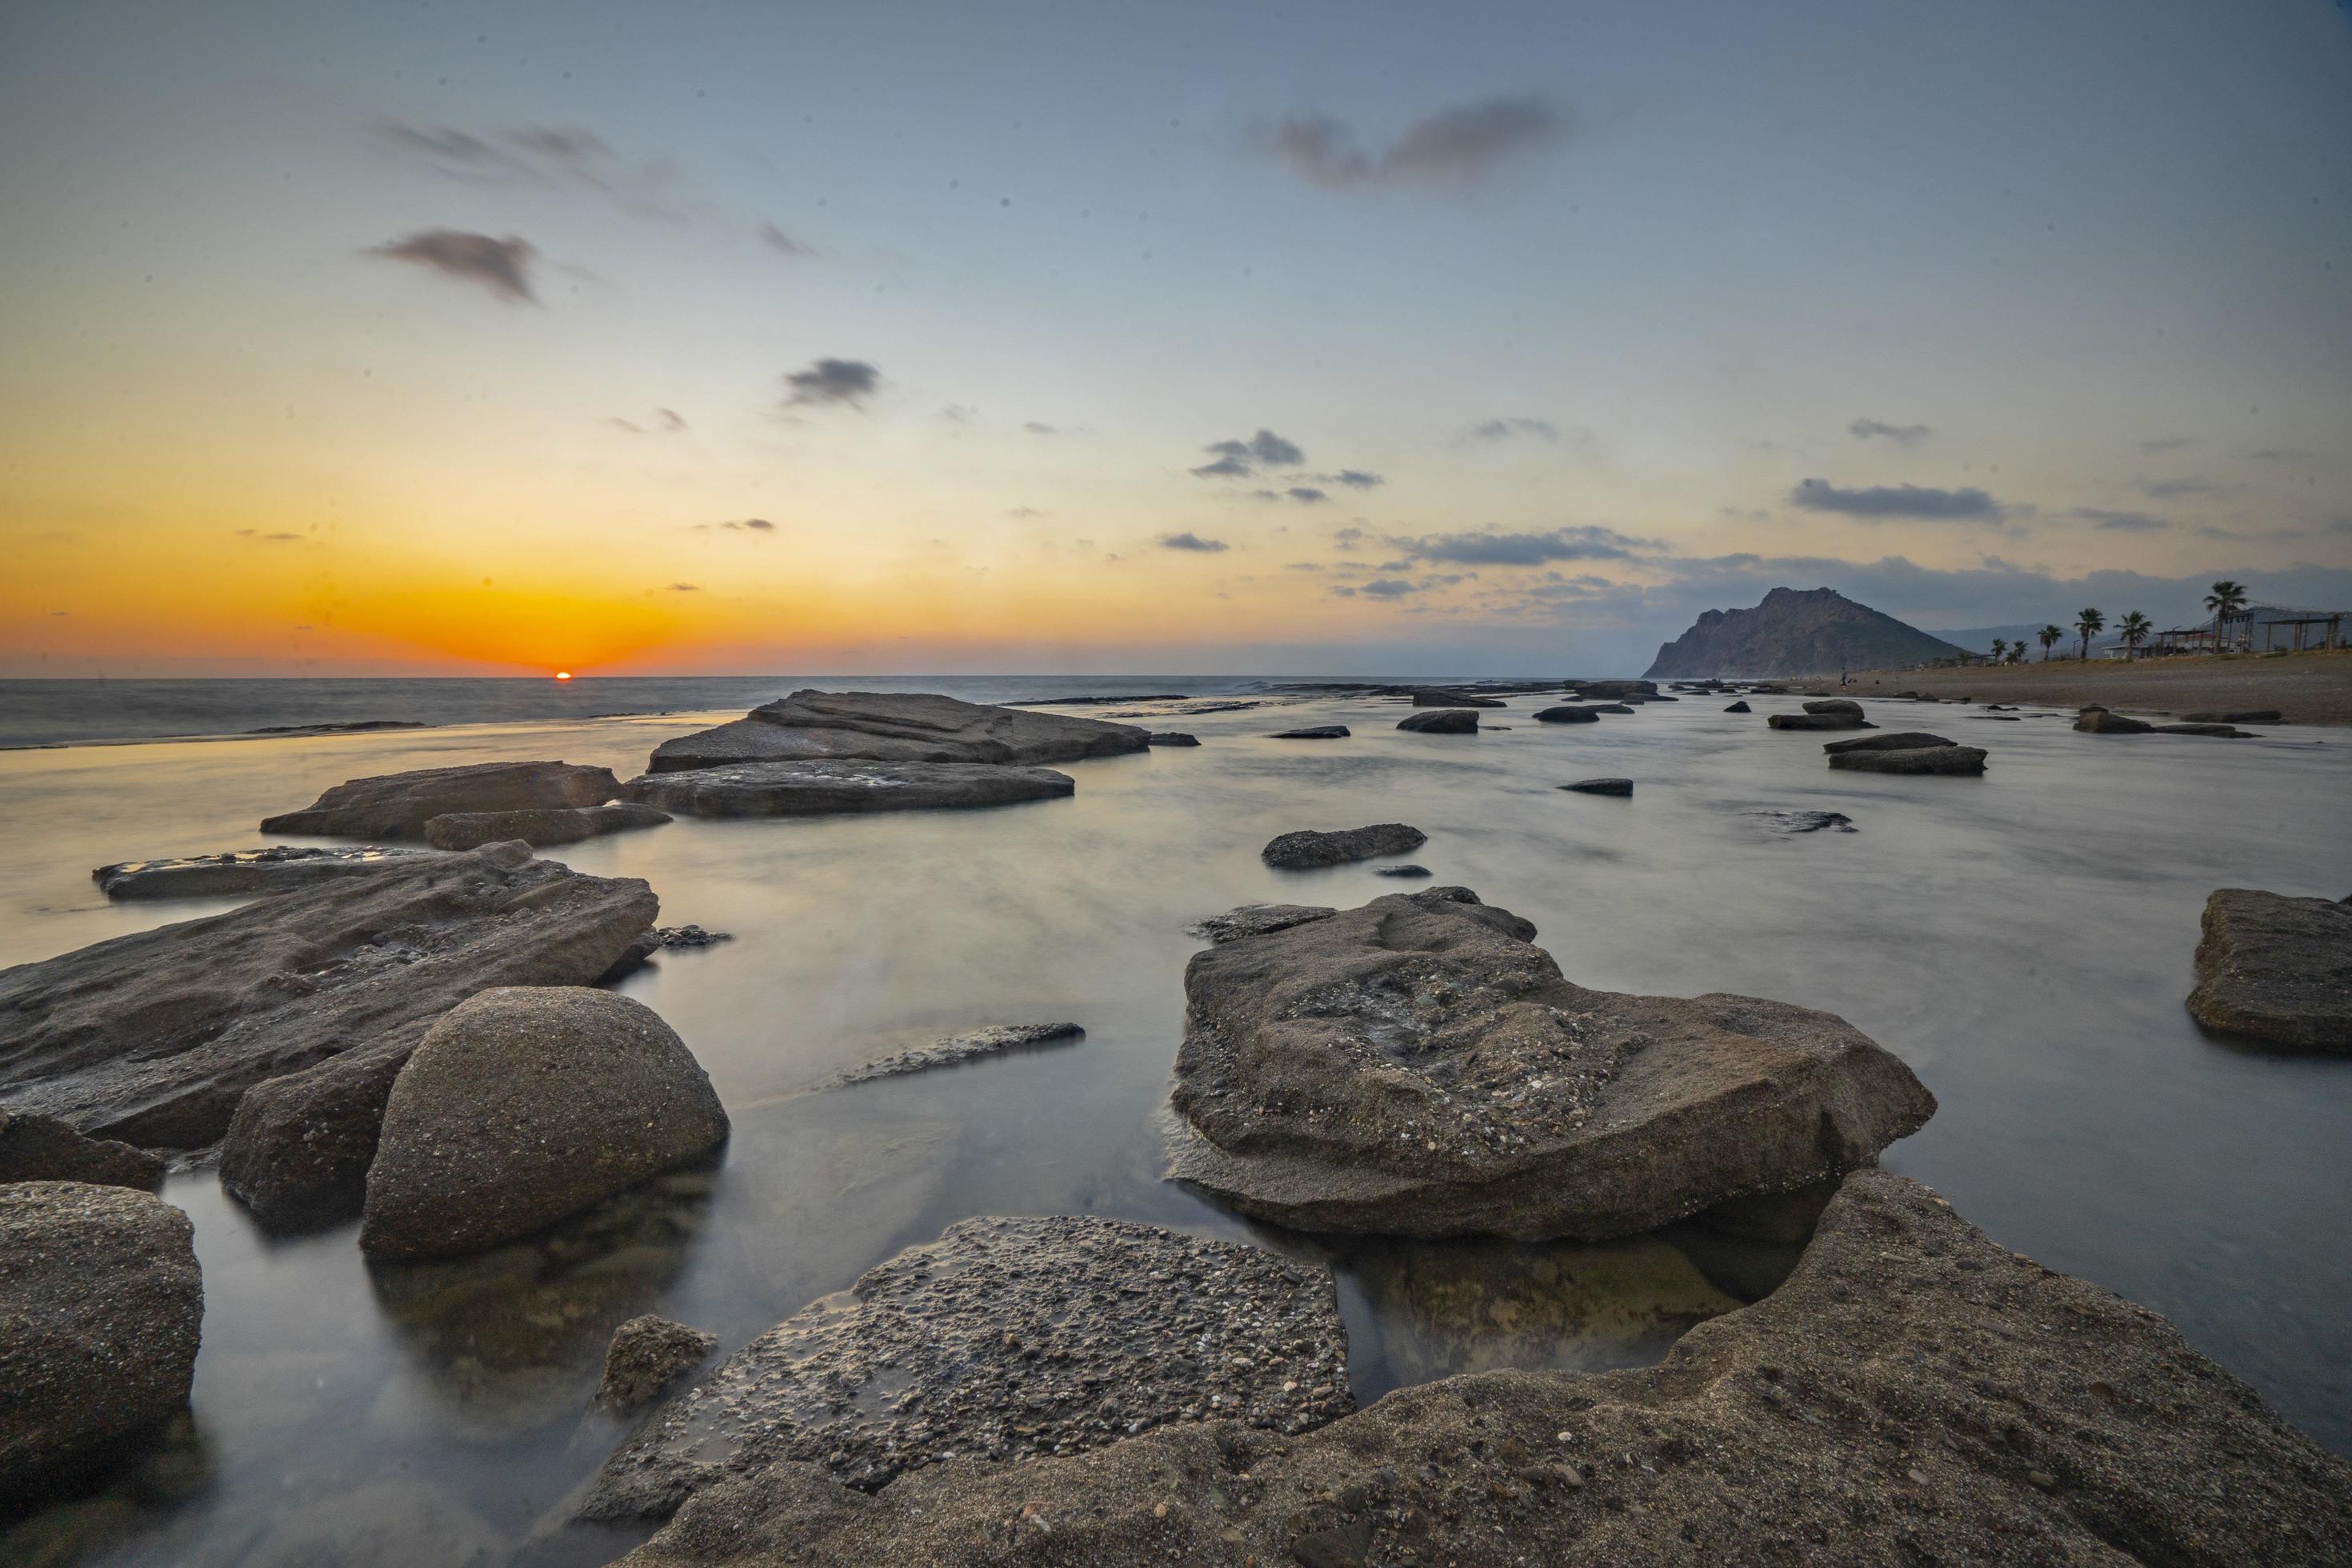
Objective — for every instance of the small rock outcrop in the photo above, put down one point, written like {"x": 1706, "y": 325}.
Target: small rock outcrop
{"x": 43, "y": 1149}
{"x": 1443, "y": 721}
{"x": 101, "y": 1305}
{"x": 1623, "y": 787}
{"x": 1171, "y": 737}
{"x": 1567, "y": 713}
{"x": 1958, "y": 760}
{"x": 1891, "y": 741}
{"x": 1004, "y": 1339}
{"x": 539, "y": 825}
{"x": 647, "y": 1356}
{"x": 2276, "y": 968}
{"x": 1313, "y": 733}
{"x": 1438, "y": 697}
{"x": 2219, "y": 731}
{"x": 1615, "y": 690}
{"x": 1837, "y": 721}
{"x": 1307, "y": 848}
{"x": 398, "y": 805}
{"x": 2100, "y": 721}
{"x": 961, "y": 1049}
{"x": 241, "y": 872}
{"x": 2254, "y": 716}
{"x": 1256, "y": 920}
{"x": 826, "y": 788}
{"x": 523, "y": 1106}
{"x": 1794, "y": 822}
{"x": 1740, "y": 708}
{"x": 1418, "y": 1067}
{"x": 812, "y": 726}
{"x": 1412, "y": 872}
{"x": 1600, "y": 708}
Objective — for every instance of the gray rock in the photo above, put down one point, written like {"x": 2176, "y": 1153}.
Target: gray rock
{"x": 101, "y": 1305}
{"x": 812, "y": 726}
{"x": 398, "y": 805}
{"x": 43, "y": 1149}
{"x": 1411, "y": 871}
{"x": 2276, "y": 968}
{"x": 1615, "y": 691}
{"x": 523, "y": 1106}
{"x": 1623, "y": 787}
{"x": 241, "y": 872}
{"x": 1172, "y": 738}
{"x": 2099, "y": 721}
{"x": 826, "y": 788}
{"x": 1438, "y": 697}
{"x": 1949, "y": 759}
{"x": 1256, "y": 920}
{"x": 961, "y": 1049}
{"x": 1819, "y": 721}
{"x": 1443, "y": 721}
{"x": 539, "y": 825}
{"x": 1004, "y": 1339}
{"x": 1808, "y": 821}
{"x": 2222, "y": 732}
{"x": 1888, "y": 741}
{"x": 647, "y": 1354}
{"x": 1417, "y": 1066}
{"x": 2255, "y": 716}
{"x": 1834, "y": 705}
{"x": 1306, "y": 848}
{"x": 1313, "y": 733}
{"x": 1740, "y": 708}
{"x": 1567, "y": 713}
{"x": 1598, "y": 708}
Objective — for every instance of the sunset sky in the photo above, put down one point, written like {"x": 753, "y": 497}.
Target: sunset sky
{"x": 1207, "y": 338}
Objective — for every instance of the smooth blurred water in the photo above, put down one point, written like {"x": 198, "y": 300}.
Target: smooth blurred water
{"x": 2024, "y": 941}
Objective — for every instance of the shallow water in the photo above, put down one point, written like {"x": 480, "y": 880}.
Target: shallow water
{"x": 2024, "y": 941}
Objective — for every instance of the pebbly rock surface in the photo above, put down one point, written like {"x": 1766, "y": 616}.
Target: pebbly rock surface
{"x": 1257, "y": 919}
{"x": 1444, "y": 721}
{"x": 398, "y": 805}
{"x": 1819, "y": 721}
{"x": 1171, "y": 737}
{"x": 1567, "y": 713}
{"x": 43, "y": 1149}
{"x": 812, "y": 726}
{"x": 1313, "y": 733}
{"x": 2099, "y": 721}
{"x": 1912, "y": 1393}
{"x": 961, "y": 1049}
{"x": 825, "y": 788}
{"x": 1438, "y": 697}
{"x": 523, "y": 1106}
{"x": 1620, "y": 787}
{"x": 1418, "y": 1067}
{"x": 647, "y": 1354}
{"x": 1947, "y": 760}
{"x": 2276, "y": 968}
{"x": 241, "y": 872}
{"x": 101, "y": 1305}
{"x": 1306, "y": 848}
{"x": 1890, "y": 740}
{"x": 1007, "y": 1339}
{"x": 538, "y": 825}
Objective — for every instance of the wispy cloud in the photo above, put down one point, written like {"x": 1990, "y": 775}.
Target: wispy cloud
{"x": 1239, "y": 459}
{"x": 1190, "y": 540}
{"x": 2190, "y": 485}
{"x": 832, "y": 380}
{"x": 501, "y": 265}
{"x": 2122, "y": 522}
{"x": 1877, "y": 502}
{"x": 256, "y": 535}
{"x": 665, "y": 422}
{"x": 1515, "y": 427}
{"x": 782, "y": 244}
{"x": 546, "y": 157}
{"x": 1901, "y": 435}
{"x": 1452, "y": 147}
{"x": 684, "y": 588}
{"x": 1585, "y": 543}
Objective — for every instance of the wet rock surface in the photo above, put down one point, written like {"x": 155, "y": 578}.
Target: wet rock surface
{"x": 1418, "y": 1067}
{"x": 2276, "y": 968}
{"x": 2100, "y": 721}
{"x": 1808, "y": 821}
{"x": 540, "y": 826}
{"x": 1950, "y": 760}
{"x": 812, "y": 726}
{"x": 1914, "y": 1393}
{"x": 1307, "y": 848}
{"x": 2252, "y": 716}
{"x": 1819, "y": 721}
{"x": 2219, "y": 731}
{"x": 1615, "y": 690}
{"x": 398, "y": 805}
{"x": 525, "y": 1105}
{"x": 241, "y": 872}
{"x": 1438, "y": 697}
{"x": 1313, "y": 732}
{"x": 1444, "y": 721}
{"x": 1415, "y": 872}
{"x": 1622, "y": 787}
{"x": 1891, "y": 741}
{"x": 1600, "y": 708}
{"x": 1567, "y": 713}
{"x": 825, "y": 788}
{"x": 1171, "y": 737}
{"x": 962, "y": 1049}
{"x": 43, "y": 1149}
{"x": 102, "y": 1304}
{"x": 1004, "y": 1339}
{"x": 1257, "y": 919}
{"x": 647, "y": 1354}
{"x": 1740, "y": 708}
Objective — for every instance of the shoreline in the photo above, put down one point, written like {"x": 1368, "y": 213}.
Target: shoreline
{"x": 2307, "y": 689}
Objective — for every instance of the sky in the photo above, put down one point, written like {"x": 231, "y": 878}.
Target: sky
{"x": 888, "y": 338}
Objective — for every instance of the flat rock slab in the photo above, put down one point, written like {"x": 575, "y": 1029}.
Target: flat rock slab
{"x": 1006, "y": 1339}
{"x": 398, "y": 805}
{"x": 241, "y": 872}
{"x": 539, "y": 825}
{"x": 1567, "y": 713}
{"x": 1620, "y": 787}
{"x": 1313, "y": 733}
{"x": 2099, "y": 721}
{"x": 812, "y": 726}
{"x": 2254, "y": 716}
{"x": 2220, "y": 732}
{"x": 1913, "y": 1392}
{"x": 1819, "y": 721}
{"x": 1437, "y": 697}
{"x": 1307, "y": 848}
{"x": 826, "y": 788}
{"x": 1891, "y": 741}
{"x": 1950, "y": 760}
{"x": 1418, "y": 1067}
{"x": 1257, "y": 919}
{"x": 1834, "y": 705}
{"x": 43, "y": 1149}
{"x": 962, "y": 1049}
{"x": 1444, "y": 721}
{"x": 1172, "y": 738}
{"x": 2276, "y": 968}
{"x": 1598, "y": 708}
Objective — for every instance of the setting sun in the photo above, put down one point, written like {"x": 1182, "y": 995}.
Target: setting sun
{"x": 563, "y": 675}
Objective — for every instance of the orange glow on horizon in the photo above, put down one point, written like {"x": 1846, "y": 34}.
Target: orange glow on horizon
{"x": 563, "y": 675}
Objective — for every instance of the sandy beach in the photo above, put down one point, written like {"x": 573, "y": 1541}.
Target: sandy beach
{"x": 2307, "y": 689}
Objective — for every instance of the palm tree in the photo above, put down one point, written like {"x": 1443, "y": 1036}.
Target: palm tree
{"x": 1999, "y": 645}
{"x": 2090, "y": 623}
{"x": 2051, "y": 637}
{"x": 2017, "y": 651}
{"x": 2135, "y": 628}
{"x": 2226, "y": 600}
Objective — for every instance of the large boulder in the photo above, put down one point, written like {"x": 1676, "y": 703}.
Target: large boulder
{"x": 101, "y": 1305}
{"x": 1834, "y": 705}
{"x": 1567, "y": 713}
{"x": 1006, "y": 1339}
{"x": 1306, "y": 848}
{"x": 2099, "y": 721}
{"x": 1891, "y": 741}
{"x": 1819, "y": 721}
{"x": 523, "y": 1106}
{"x": 1443, "y": 721}
{"x": 822, "y": 788}
{"x": 538, "y": 825}
{"x": 1256, "y": 920}
{"x": 2276, "y": 968}
{"x": 1914, "y": 1393}
{"x": 1418, "y": 1067}
{"x": 43, "y": 1149}
{"x": 398, "y": 805}
{"x": 1947, "y": 760}
{"x": 812, "y": 726}
{"x": 239, "y": 873}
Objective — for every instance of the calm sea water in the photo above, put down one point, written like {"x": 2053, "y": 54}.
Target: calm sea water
{"x": 2024, "y": 941}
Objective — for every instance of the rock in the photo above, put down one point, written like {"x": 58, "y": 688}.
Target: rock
{"x": 1413, "y": 871}
{"x": 1004, "y": 1339}
{"x": 1819, "y": 721}
{"x": 1417, "y": 1066}
{"x": 1889, "y": 741}
{"x": 1951, "y": 760}
{"x": 1914, "y": 1393}
{"x": 690, "y": 936}
{"x": 1808, "y": 821}
{"x": 244, "y": 871}
{"x": 1443, "y": 721}
{"x": 1740, "y": 708}
{"x": 101, "y": 1305}
{"x": 398, "y": 805}
{"x": 542, "y": 824}
{"x": 2224, "y": 731}
{"x": 2276, "y": 968}
{"x": 1615, "y": 690}
{"x": 1567, "y": 713}
{"x": 43, "y": 1149}
{"x": 1257, "y": 919}
{"x": 1171, "y": 737}
{"x": 822, "y": 788}
{"x": 2255, "y": 716}
{"x": 1603, "y": 787}
{"x": 1834, "y": 705}
{"x": 647, "y": 1354}
{"x": 962, "y": 1049}
{"x": 812, "y": 726}
{"x": 1313, "y": 733}
{"x": 1306, "y": 848}
{"x": 524, "y": 1105}
{"x": 2099, "y": 721}
{"x": 1600, "y": 708}
{"x": 1434, "y": 697}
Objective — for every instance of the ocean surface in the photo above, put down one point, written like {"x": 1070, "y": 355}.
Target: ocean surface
{"x": 2024, "y": 941}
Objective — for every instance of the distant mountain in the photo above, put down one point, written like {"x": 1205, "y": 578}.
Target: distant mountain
{"x": 1796, "y": 632}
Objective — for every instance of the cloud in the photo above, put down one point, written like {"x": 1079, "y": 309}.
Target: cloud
{"x": 1505, "y": 429}
{"x": 665, "y": 422}
{"x": 684, "y": 588}
{"x": 1389, "y": 588}
{"x": 1038, "y": 428}
{"x": 2122, "y": 522}
{"x": 1307, "y": 495}
{"x": 1901, "y": 435}
{"x": 255, "y": 533}
{"x": 1347, "y": 538}
{"x": 1190, "y": 540}
{"x": 850, "y": 381}
{"x": 1224, "y": 468}
{"x": 2172, "y": 490}
{"x": 1876, "y": 502}
{"x": 1357, "y": 478}
{"x": 1023, "y": 511}
{"x": 1455, "y": 145}
{"x": 501, "y": 265}
{"x": 1586, "y": 544}
{"x": 2280, "y": 455}
{"x": 1239, "y": 459}
{"x": 780, "y": 242}
{"x": 546, "y": 157}
{"x": 752, "y": 525}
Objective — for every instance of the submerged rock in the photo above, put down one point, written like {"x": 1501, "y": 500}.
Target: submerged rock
{"x": 1313, "y": 733}
{"x": 1567, "y": 713}
{"x": 542, "y": 825}
{"x": 1953, "y": 760}
{"x": 2099, "y": 721}
{"x": 812, "y": 726}
{"x": 1257, "y": 919}
{"x": 398, "y": 805}
{"x": 242, "y": 871}
{"x": 1004, "y": 1339}
{"x": 1307, "y": 848}
{"x": 961, "y": 1049}
{"x": 43, "y": 1149}
{"x": 525, "y": 1105}
{"x": 2276, "y": 968}
{"x": 1913, "y": 1392}
{"x": 1808, "y": 821}
{"x": 1171, "y": 737}
{"x": 101, "y": 1305}
{"x": 1444, "y": 721}
{"x": 823, "y": 788}
{"x": 1412, "y": 871}
{"x": 1891, "y": 741}
{"x": 647, "y": 1354}
{"x": 1623, "y": 787}
{"x": 1417, "y": 1066}
{"x": 2223, "y": 732}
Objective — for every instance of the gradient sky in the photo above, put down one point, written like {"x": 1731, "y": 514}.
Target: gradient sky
{"x": 450, "y": 339}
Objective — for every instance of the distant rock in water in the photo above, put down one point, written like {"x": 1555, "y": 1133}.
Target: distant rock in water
{"x": 1623, "y": 787}
{"x": 1854, "y": 721}
{"x": 959, "y": 1049}
{"x": 241, "y": 872}
{"x": 2258, "y": 716}
{"x": 2276, "y": 968}
{"x": 2220, "y": 732}
{"x": 349, "y": 727}
{"x": 826, "y": 788}
{"x": 1808, "y": 821}
{"x": 1944, "y": 759}
{"x": 1740, "y": 708}
{"x": 1443, "y": 721}
{"x": 1306, "y": 848}
{"x": 539, "y": 825}
{"x": 812, "y": 726}
{"x": 1814, "y": 632}
{"x": 1256, "y": 920}
{"x": 1892, "y": 741}
{"x": 1567, "y": 713}
{"x": 1313, "y": 732}
{"x": 1437, "y": 697}
{"x": 398, "y": 805}
{"x": 1100, "y": 701}
{"x": 2099, "y": 721}
{"x": 1408, "y": 871}
{"x": 1615, "y": 691}
{"x": 43, "y": 1149}
{"x": 1171, "y": 737}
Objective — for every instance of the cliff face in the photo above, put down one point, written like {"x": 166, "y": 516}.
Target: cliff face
{"x": 1793, "y": 632}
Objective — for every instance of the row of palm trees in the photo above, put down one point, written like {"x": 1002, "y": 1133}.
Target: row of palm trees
{"x": 2226, "y": 600}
